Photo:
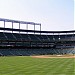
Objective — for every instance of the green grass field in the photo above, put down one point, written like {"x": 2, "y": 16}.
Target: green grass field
{"x": 36, "y": 66}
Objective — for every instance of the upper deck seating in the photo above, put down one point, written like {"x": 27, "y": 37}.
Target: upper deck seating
{"x": 45, "y": 37}
{"x": 40, "y": 38}
{"x": 51, "y": 38}
{"x": 10, "y": 36}
{"x": 2, "y": 36}
{"x": 56, "y": 37}
{"x": 25, "y": 37}
{"x": 33, "y": 37}
{"x": 62, "y": 37}
{"x": 73, "y": 37}
{"x": 17, "y": 36}
{"x": 69, "y": 37}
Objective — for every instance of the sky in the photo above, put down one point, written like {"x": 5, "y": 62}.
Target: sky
{"x": 74, "y": 14}
{"x": 54, "y": 15}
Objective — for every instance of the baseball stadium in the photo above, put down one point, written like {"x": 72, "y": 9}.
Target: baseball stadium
{"x": 35, "y": 52}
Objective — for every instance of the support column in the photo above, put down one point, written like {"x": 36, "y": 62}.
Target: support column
{"x": 40, "y": 28}
{"x": 34, "y": 28}
{"x": 19, "y": 27}
{"x": 4, "y": 25}
{"x": 27, "y": 27}
{"x": 12, "y": 27}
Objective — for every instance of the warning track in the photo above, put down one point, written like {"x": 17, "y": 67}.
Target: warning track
{"x": 54, "y": 56}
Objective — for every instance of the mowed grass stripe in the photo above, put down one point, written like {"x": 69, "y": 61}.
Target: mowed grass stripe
{"x": 42, "y": 68}
{"x": 56, "y": 67}
{"x": 36, "y": 66}
{"x": 63, "y": 68}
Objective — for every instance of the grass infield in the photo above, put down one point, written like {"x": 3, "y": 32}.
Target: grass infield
{"x": 26, "y": 65}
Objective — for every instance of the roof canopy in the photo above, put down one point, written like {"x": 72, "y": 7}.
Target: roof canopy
{"x": 36, "y": 31}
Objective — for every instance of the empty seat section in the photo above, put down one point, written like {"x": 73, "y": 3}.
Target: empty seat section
{"x": 19, "y": 43}
{"x": 25, "y": 37}
{"x": 69, "y": 37}
{"x": 2, "y": 36}
{"x": 62, "y": 37}
{"x": 40, "y": 38}
{"x": 17, "y": 36}
{"x": 27, "y": 44}
{"x": 5, "y": 52}
{"x": 73, "y": 37}
{"x": 51, "y": 38}
{"x": 4, "y": 43}
{"x": 56, "y": 37}
{"x": 14, "y": 52}
{"x": 10, "y": 36}
{"x": 45, "y": 38}
{"x": 33, "y": 37}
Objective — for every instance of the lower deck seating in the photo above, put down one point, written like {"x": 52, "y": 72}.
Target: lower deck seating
{"x": 28, "y": 52}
